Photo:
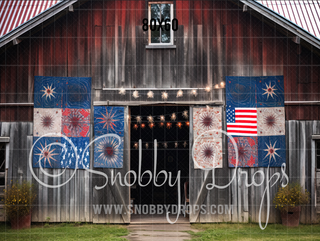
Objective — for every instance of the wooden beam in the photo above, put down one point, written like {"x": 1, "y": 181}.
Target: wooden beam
{"x": 4, "y": 139}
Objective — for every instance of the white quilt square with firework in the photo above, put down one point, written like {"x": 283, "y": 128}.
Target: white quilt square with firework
{"x": 271, "y": 121}
{"x": 47, "y": 121}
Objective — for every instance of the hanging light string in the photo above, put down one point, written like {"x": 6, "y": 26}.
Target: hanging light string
{"x": 153, "y": 118}
{"x": 163, "y": 144}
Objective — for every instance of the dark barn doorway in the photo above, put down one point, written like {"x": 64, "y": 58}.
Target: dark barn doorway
{"x": 172, "y": 135}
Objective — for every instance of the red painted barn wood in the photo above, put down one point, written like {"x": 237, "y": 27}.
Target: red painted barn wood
{"x": 104, "y": 40}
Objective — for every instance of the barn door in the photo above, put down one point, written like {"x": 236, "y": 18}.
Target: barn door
{"x": 208, "y": 145}
{"x": 112, "y": 157}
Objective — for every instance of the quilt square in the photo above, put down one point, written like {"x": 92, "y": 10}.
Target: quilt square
{"x": 68, "y": 159}
{"x": 241, "y": 91}
{"x": 207, "y": 119}
{"x": 242, "y": 121}
{"x": 48, "y": 92}
{"x": 78, "y": 93}
{"x": 108, "y": 120}
{"x": 208, "y": 153}
{"x": 271, "y": 121}
{"x": 108, "y": 152}
{"x": 47, "y": 152}
{"x": 247, "y": 152}
{"x": 76, "y": 122}
{"x": 272, "y": 151}
{"x": 47, "y": 121}
{"x": 270, "y": 91}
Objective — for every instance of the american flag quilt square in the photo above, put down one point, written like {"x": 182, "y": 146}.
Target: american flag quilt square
{"x": 47, "y": 152}
{"x": 272, "y": 150}
{"x": 241, "y": 91}
{"x": 271, "y": 121}
{"x": 78, "y": 93}
{"x": 48, "y": 92}
{"x": 108, "y": 120}
{"x": 71, "y": 152}
{"x": 242, "y": 121}
{"x": 76, "y": 122}
{"x": 206, "y": 119}
{"x": 247, "y": 151}
{"x": 108, "y": 152}
{"x": 208, "y": 153}
{"x": 270, "y": 91}
{"x": 47, "y": 121}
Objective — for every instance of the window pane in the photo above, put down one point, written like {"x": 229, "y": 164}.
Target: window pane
{"x": 155, "y": 36}
{"x": 155, "y": 11}
{"x": 165, "y": 11}
{"x": 165, "y": 36}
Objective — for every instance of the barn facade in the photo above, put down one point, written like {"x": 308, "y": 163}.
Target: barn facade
{"x": 105, "y": 41}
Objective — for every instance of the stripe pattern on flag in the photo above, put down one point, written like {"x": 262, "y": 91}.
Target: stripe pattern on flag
{"x": 242, "y": 121}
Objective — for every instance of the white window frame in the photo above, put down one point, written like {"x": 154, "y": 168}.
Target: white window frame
{"x": 157, "y": 23}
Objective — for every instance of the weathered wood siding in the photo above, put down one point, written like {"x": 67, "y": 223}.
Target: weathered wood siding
{"x": 104, "y": 40}
{"x": 73, "y": 202}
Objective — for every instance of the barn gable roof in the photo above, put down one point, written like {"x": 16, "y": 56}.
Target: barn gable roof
{"x": 17, "y": 16}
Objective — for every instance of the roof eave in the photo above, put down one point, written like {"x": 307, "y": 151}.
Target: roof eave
{"x": 295, "y": 29}
{"x": 30, "y": 24}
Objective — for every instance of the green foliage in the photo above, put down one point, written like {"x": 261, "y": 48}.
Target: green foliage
{"x": 18, "y": 199}
{"x": 291, "y": 196}
{"x": 64, "y": 231}
{"x": 242, "y": 232}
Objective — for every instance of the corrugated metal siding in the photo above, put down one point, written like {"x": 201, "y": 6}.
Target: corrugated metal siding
{"x": 304, "y": 13}
{"x": 16, "y": 12}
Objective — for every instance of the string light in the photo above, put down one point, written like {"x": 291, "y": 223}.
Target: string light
{"x": 194, "y": 93}
{"x": 129, "y": 117}
{"x": 222, "y": 84}
{"x": 179, "y": 124}
{"x": 143, "y": 125}
{"x": 150, "y": 119}
{"x": 136, "y": 145}
{"x": 185, "y": 144}
{"x": 179, "y": 93}
{"x": 135, "y": 94}
{"x": 164, "y": 95}
{"x": 173, "y": 116}
{"x": 187, "y": 123}
{"x": 185, "y": 114}
{"x": 138, "y": 119}
{"x": 161, "y": 124}
{"x": 208, "y": 89}
{"x": 151, "y": 125}
{"x": 216, "y": 86}
{"x": 122, "y": 91}
{"x": 176, "y": 145}
{"x": 162, "y": 118}
{"x": 135, "y": 126}
{"x": 150, "y": 94}
{"x": 165, "y": 145}
{"x": 147, "y": 145}
{"x": 169, "y": 125}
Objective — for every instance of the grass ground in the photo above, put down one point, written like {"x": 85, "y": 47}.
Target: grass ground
{"x": 253, "y": 232}
{"x": 65, "y": 231}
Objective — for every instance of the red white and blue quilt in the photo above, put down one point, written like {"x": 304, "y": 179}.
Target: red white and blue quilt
{"x": 255, "y": 117}
{"x": 61, "y": 122}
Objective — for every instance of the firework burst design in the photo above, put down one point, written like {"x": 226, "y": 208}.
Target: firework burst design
{"x": 271, "y": 151}
{"x": 270, "y": 90}
{"x": 48, "y": 91}
{"x": 271, "y": 121}
{"x": 247, "y": 152}
{"x": 75, "y": 122}
{"x": 208, "y": 153}
{"x": 46, "y": 154}
{"x": 108, "y": 120}
{"x": 109, "y": 153}
{"x": 47, "y": 120}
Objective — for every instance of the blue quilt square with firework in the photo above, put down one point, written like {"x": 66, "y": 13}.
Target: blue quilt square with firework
{"x": 73, "y": 149}
{"x": 47, "y": 152}
{"x": 108, "y": 152}
{"x": 48, "y": 92}
{"x": 270, "y": 91}
{"x": 241, "y": 91}
{"x": 108, "y": 120}
{"x": 271, "y": 151}
{"x": 78, "y": 93}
